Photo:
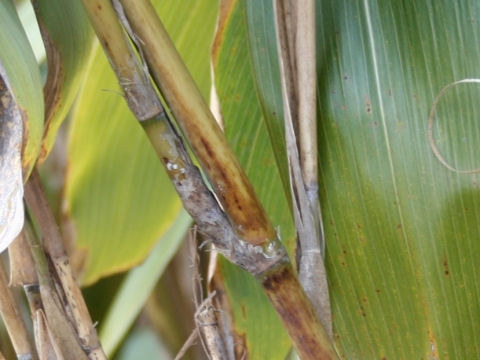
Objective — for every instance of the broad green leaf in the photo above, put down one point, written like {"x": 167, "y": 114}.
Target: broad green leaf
{"x": 139, "y": 283}
{"x": 20, "y": 66}
{"x": 118, "y": 199}
{"x": 401, "y": 228}
{"x": 254, "y": 317}
{"x": 69, "y": 40}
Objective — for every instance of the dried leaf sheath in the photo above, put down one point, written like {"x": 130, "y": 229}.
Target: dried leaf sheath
{"x": 295, "y": 25}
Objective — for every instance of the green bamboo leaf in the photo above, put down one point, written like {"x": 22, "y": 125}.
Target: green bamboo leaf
{"x": 118, "y": 198}
{"x": 68, "y": 41}
{"x": 401, "y": 228}
{"x": 23, "y": 77}
{"x": 245, "y": 129}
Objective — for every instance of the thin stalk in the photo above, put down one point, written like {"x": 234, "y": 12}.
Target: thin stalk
{"x": 38, "y": 204}
{"x": 44, "y": 342}
{"x": 254, "y": 246}
{"x": 198, "y": 125}
{"x": 23, "y": 273}
{"x": 64, "y": 336}
{"x": 12, "y": 318}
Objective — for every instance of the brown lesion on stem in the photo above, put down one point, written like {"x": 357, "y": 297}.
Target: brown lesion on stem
{"x": 296, "y": 313}
{"x": 202, "y": 205}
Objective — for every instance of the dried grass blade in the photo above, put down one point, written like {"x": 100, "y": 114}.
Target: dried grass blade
{"x": 298, "y": 92}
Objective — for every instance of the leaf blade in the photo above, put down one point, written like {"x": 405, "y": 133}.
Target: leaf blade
{"x": 68, "y": 41}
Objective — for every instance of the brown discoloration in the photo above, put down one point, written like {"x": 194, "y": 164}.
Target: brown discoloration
{"x": 445, "y": 266}
{"x": 53, "y": 86}
{"x": 226, "y": 8}
{"x": 235, "y": 193}
{"x": 433, "y": 344}
{"x": 297, "y": 315}
{"x": 27, "y": 161}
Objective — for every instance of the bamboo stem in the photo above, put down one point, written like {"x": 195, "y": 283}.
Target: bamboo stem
{"x": 296, "y": 312}
{"x": 122, "y": 59}
{"x": 198, "y": 124}
{"x": 38, "y": 204}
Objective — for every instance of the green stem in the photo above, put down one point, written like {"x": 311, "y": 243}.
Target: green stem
{"x": 140, "y": 98}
